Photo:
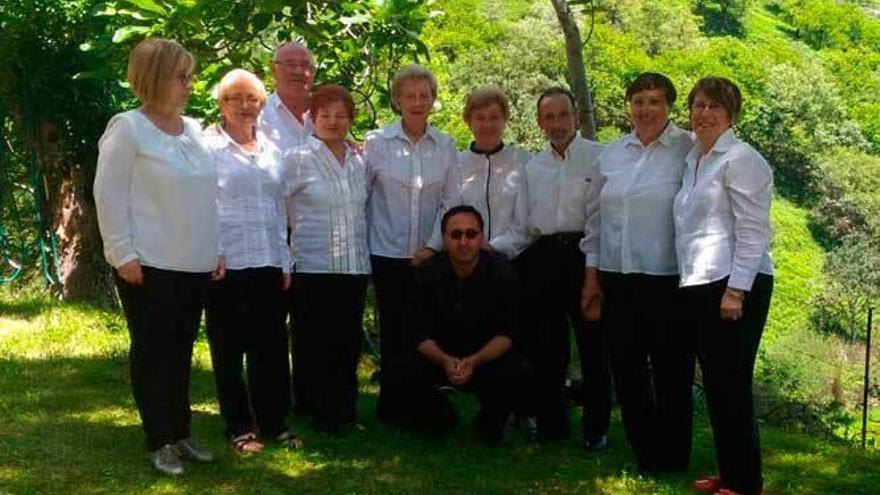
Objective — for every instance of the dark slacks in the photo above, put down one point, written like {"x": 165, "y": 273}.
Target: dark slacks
{"x": 245, "y": 318}
{"x": 501, "y": 385}
{"x": 163, "y": 319}
{"x": 391, "y": 279}
{"x": 552, "y": 274}
{"x": 727, "y": 351}
{"x": 652, "y": 359}
{"x": 329, "y": 310}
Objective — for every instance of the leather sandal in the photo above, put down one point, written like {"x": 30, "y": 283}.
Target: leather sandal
{"x": 711, "y": 484}
{"x": 246, "y": 443}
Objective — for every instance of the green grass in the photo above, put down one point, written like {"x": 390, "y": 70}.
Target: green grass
{"x": 69, "y": 426}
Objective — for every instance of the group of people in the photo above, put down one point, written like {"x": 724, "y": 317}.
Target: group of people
{"x": 654, "y": 249}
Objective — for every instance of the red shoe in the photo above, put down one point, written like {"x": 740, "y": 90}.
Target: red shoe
{"x": 711, "y": 484}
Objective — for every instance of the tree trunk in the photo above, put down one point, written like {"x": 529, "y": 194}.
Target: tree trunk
{"x": 69, "y": 210}
{"x": 575, "y": 56}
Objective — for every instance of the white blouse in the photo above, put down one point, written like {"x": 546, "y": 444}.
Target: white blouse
{"x": 155, "y": 195}
{"x": 326, "y": 208}
{"x": 410, "y": 186}
{"x": 491, "y": 183}
{"x": 250, "y": 202}
{"x": 281, "y": 127}
{"x": 722, "y": 215}
{"x": 557, "y": 187}
{"x": 629, "y": 225}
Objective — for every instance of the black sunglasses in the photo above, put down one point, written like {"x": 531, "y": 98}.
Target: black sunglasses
{"x": 469, "y": 233}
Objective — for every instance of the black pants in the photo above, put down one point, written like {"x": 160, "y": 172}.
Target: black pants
{"x": 501, "y": 385}
{"x": 726, "y": 351}
{"x": 245, "y": 317}
{"x": 391, "y": 278}
{"x": 163, "y": 319}
{"x": 329, "y": 311}
{"x": 652, "y": 360}
{"x": 552, "y": 273}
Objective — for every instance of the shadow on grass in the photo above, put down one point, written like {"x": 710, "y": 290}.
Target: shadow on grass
{"x": 70, "y": 425}
{"x": 24, "y": 307}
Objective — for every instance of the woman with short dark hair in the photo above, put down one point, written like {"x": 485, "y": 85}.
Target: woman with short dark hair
{"x": 632, "y": 277}
{"x": 722, "y": 240}
{"x": 326, "y": 192}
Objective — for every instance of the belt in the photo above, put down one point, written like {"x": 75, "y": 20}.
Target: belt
{"x": 562, "y": 238}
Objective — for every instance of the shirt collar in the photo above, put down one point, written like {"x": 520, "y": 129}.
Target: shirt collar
{"x": 473, "y": 149}
{"x": 554, "y": 155}
{"x": 665, "y": 139}
{"x": 722, "y": 145}
{"x": 444, "y": 264}
{"x": 395, "y": 131}
{"x": 275, "y": 102}
{"x": 317, "y": 145}
{"x": 229, "y": 142}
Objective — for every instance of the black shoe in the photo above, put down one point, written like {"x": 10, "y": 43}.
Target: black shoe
{"x": 596, "y": 444}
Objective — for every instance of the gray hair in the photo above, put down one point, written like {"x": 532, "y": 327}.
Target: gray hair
{"x": 234, "y": 76}
{"x": 413, "y": 72}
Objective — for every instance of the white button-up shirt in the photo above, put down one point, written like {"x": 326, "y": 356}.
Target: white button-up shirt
{"x": 629, "y": 225}
{"x": 556, "y": 198}
{"x": 411, "y": 185}
{"x": 155, "y": 195}
{"x": 492, "y": 183}
{"x": 326, "y": 208}
{"x": 281, "y": 127}
{"x": 722, "y": 215}
{"x": 250, "y": 201}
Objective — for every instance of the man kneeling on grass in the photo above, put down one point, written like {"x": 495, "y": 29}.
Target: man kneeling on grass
{"x": 462, "y": 315}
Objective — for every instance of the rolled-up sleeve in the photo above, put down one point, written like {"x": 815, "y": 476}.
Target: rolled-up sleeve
{"x": 749, "y": 182}
{"x": 589, "y": 245}
{"x": 117, "y": 151}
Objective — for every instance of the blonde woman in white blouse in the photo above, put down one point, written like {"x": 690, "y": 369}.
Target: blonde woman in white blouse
{"x": 155, "y": 194}
{"x": 326, "y": 189}
{"x": 412, "y": 180}
{"x": 722, "y": 241}
{"x": 246, "y": 310}
{"x": 632, "y": 276}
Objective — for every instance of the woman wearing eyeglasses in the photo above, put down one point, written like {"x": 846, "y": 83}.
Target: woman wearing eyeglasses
{"x": 155, "y": 192}
{"x": 325, "y": 184}
{"x": 722, "y": 240}
{"x": 246, "y": 310}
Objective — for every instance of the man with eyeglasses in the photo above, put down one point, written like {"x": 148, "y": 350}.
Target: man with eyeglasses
{"x": 551, "y": 270}
{"x": 284, "y": 119}
{"x": 462, "y": 315}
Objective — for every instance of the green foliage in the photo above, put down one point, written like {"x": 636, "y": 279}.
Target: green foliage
{"x": 847, "y": 182}
{"x": 831, "y": 24}
{"x": 724, "y": 17}
{"x": 657, "y": 26}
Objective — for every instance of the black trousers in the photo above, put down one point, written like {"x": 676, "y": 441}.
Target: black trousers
{"x": 329, "y": 310}
{"x": 501, "y": 385}
{"x": 726, "y": 351}
{"x": 652, "y": 358}
{"x": 391, "y": 279}
{"x": 552, "y": 273}
{"x": 245, "y": 318}
{"x": 163, "y": 318}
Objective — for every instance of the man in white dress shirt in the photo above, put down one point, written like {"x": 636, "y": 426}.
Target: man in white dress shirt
{"x": 284, "y": 119}
{"x": 552, "y": 269}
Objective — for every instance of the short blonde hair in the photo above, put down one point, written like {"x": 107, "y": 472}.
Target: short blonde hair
{"x": 153, "y": 63}
{"x": 413, "y": 72}
{"x": 483, "y": 97}
{"x": 236, "y": 75}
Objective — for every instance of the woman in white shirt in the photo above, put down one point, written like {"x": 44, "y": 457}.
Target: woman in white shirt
{"x": 631, "y": 280}
{"x": 326, "y": 209}
{"x": 246, "y": 310}
{"x": 492, "y": 173}
{"x": 412, "y": 178}
{"x": 722, "y": 240}
{"x": 155, "y": 197}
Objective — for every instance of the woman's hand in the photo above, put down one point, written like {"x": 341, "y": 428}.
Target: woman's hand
{"x": 732, "y": 304}
{"x": 286, "y": 281}
{"x": 131, "y": 272}
{"x": 422, "y": 255}
{"x": 592, "y": 296}
{"x": 220, "y": 271}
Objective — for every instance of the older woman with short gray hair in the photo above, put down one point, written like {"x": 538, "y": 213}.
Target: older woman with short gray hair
{"x": 246, "y": 310}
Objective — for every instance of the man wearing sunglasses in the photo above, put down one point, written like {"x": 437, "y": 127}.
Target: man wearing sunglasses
{"x": 462, "y": 316}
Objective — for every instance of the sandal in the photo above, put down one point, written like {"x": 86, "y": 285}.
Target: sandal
{"x": 246, "y": 443}
{"x": 288, "y": 439}
{"x": 709, "y": 484}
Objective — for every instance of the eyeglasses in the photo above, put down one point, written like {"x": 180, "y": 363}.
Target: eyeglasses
{"x": 469, "y": 233}
{"x": 710, "y": 106}
{"x": 290, "y": 64}
{"x": 239, "y": 99}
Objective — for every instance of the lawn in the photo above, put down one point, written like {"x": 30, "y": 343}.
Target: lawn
{"x": 69, "y": 426}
